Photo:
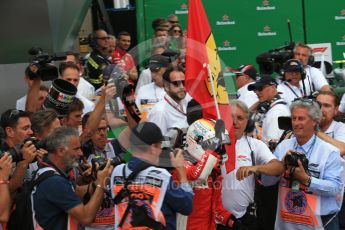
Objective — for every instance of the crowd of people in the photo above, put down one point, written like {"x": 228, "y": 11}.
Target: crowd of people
{"x": 165, "y": 167}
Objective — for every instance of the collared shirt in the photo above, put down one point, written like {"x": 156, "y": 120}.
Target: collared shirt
{"x": 237, "y": 195}
{"x": 168, "y": 114}
{"x": 289, "y": 92}
{"x": 336, "y": 130}
{"x": 325, "y": 167}
{"x": 246, "y": 96}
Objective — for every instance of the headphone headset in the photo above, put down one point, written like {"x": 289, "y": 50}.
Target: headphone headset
{"x": 92, "y": 41}
{"x": 299, "y": 68}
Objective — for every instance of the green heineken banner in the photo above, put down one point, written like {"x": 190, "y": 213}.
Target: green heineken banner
{"x": 244, "y": 29}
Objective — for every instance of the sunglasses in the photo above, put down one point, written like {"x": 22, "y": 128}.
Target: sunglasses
{"x": 177, "y": 31}
{"x": 177, "y": 83}
{"x": 261, "y": 88}
{"x": 173, "y": 22}
{"x": 104, "y": 38}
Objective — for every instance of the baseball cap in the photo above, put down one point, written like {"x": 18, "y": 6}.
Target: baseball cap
{"x": 262, "y": 80}
{"x": 146, "y": 133}
{"x": 246, "y": 70}
{"x": 293, "y": 65}
{"x": 158, "y": 61}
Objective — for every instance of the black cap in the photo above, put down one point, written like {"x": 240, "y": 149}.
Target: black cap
{"x": 245, "y": 70}
{"x": 146, "y": 133}
{"x": 158, "y": 61}
{"x": 262, "y": 80}
{"x": 293, "y": 65}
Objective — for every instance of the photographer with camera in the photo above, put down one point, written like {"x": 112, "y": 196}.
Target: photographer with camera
{"x": 271, "y": 106}
{"x": 149, "y": 191}
{"x": 17, "y": 128}
{"x": 55, "y": 201}
{"x": 314, "y": 79}
{"x": 293, "y": 72}
{"x": 252, "y": 159}
{"x": 5, "y": 197}
{"x": 312, "y": 183}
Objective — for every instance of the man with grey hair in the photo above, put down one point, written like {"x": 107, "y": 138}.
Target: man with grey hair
{"x": 252, "y": 157}
{"x": 309, "y": 192}
{"x": 55, "y": 201}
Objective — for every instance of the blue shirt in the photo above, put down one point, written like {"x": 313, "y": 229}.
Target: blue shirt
{"x": 177, "y": 198}
{"x": 325, "y": 167}
{"x": 53, "y": 198}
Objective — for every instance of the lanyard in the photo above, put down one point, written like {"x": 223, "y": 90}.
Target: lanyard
{"x": 174, "y": 106}
{"x": 293, "y": 90}
{"x": 309, "y": 152}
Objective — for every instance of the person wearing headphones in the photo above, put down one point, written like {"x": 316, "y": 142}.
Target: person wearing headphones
{"x": 293, "y": 73}
{"x": 98, "y": 58}
{"x": 271, "y": 106}
{"x": 314, "y": 80}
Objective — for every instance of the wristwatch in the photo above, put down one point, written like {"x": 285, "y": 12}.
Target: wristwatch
{"x": 308, "y": 182}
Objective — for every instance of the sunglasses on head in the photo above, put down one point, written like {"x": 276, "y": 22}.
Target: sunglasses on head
{"x": 177, "y": 83}
{"x": 14, "y": 114}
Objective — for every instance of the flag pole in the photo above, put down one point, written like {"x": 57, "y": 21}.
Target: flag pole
{"x": 213, "y": 91}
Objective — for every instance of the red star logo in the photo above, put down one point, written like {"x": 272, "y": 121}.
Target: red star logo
{"x": 265, "y": 2}
{"x": 225, "y": 18}
{"x": 342, "y": 12}
{"x": 184, "y": 6}
{"x": 226, "y": 43}
{"x": 267, "y": 28}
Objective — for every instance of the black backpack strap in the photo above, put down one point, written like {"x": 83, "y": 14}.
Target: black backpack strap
{"x": 36, "y": 181}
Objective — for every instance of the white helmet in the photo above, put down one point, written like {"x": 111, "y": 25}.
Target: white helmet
{"x": 199, "y": 134}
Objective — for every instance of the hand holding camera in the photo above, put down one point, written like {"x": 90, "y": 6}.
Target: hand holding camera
{"x": 29, "y": 152}
{"x": 297, "y": 164}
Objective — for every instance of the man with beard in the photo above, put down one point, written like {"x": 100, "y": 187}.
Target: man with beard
{"x": 55, "y": 202}
{"x": 170, "y": 112}
{"x": 121, "y": 57}
{"x": 331, "y": 131}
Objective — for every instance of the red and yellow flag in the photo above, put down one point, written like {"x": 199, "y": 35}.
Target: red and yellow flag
{"x": 201, "y": 51}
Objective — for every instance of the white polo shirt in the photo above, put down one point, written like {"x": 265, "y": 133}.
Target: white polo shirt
{"x": 167, "y": 114}
{"x": 246, "y": 96}
{"x": 289, "y": 92}
{"x": 238, "y": 195}
{"x": 314, "y": 80}
{"x": 148, "y": 96}
{"x": 270, "y": 126}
